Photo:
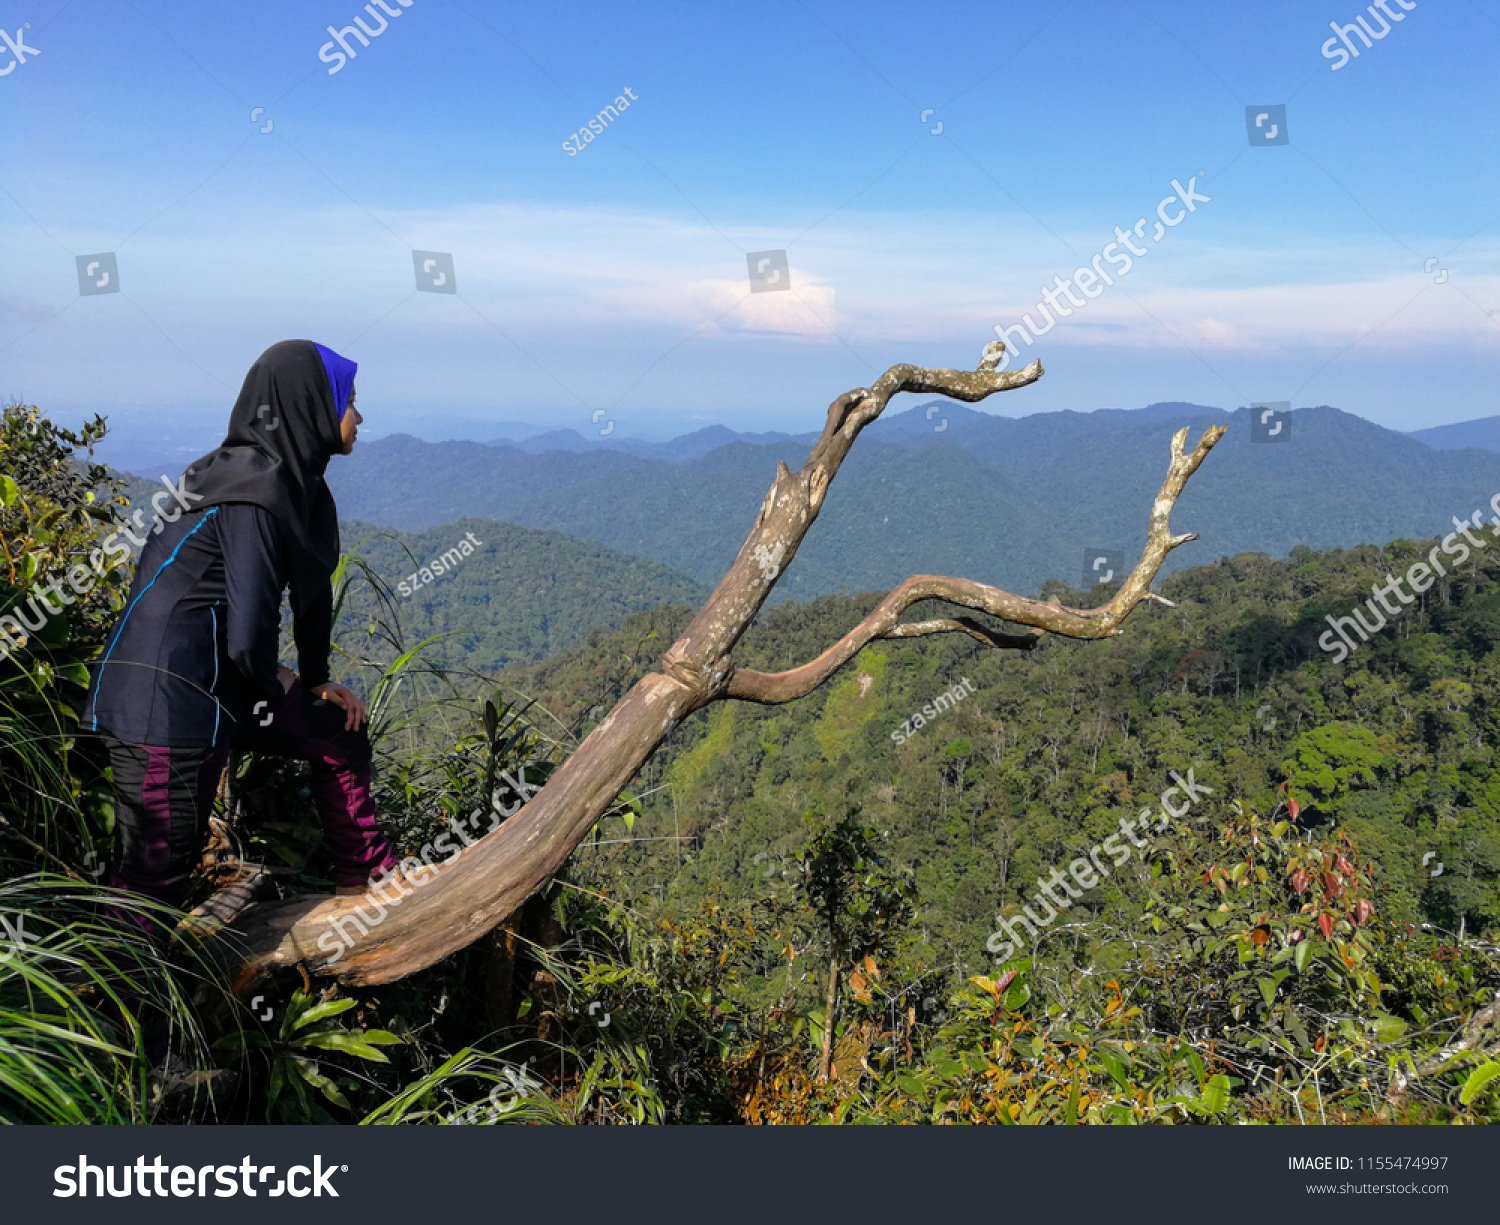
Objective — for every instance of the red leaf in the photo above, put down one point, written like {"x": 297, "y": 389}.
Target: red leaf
{"x": 1294, "y": 808}
{"x": 1362, "y": 911}
{"x": 1344, "y": 866}
{"x": 1005, "y": 980}
{"x": 1300, "y": 881}
{"x": 1260, "y": 936}
{"x": 1331, "y": 884}
{"x": 1325, "y": 921}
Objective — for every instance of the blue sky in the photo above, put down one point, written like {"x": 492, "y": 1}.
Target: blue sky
{"x": 614, "y": 282}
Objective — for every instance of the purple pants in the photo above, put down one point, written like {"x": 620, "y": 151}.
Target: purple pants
{"x": 163, "y": 797}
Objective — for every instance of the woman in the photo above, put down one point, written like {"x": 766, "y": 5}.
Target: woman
{"x": 191, "y": 668}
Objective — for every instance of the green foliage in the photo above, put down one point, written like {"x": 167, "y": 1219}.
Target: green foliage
{"x": 443, "y": 1095}
{"x": 1059, "y": 744}
{"x": 861, "y": 901}
{"x": 76, "y": 967}
{"x": 54, "y": 809}
{"x": 850, "y": 705}
{"x": 1329, "y": 761}
{"x": 293, "y": 1055}
{"x": 1481, "y": 1078}
{"x": 691, "y": 768}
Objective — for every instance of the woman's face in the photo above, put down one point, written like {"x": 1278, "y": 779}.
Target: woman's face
{"x": 350, "y": 424}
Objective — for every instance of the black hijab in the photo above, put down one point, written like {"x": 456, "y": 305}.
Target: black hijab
{"x": 283, "y": 430}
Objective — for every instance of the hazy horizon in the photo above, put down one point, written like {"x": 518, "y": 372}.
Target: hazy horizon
{"x": 140, "y": 447}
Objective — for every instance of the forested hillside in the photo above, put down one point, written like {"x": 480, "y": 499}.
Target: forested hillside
{"x": 519, "y": 596}
{"x": 1483, "y": 434}
{"x": 1395, "y": 746}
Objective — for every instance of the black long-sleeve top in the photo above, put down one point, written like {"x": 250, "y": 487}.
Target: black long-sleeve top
{"x": 196, "y": 647}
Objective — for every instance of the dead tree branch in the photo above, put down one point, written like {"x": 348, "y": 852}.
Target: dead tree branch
{"x": 447, "y": 907}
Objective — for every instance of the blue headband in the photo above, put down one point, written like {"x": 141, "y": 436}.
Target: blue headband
{"x": 341, "y": 373}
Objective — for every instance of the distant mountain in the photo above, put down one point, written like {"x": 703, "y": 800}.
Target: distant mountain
{"x": 166, "y": 443}
{"x": 1012, "y": 501}
{"x": 1483, "y": 433}
{"x": 919, "y": 424}
{"x": 678, "y": 450}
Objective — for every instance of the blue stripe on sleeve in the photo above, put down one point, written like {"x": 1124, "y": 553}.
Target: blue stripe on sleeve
{"x": 99, "y": 688}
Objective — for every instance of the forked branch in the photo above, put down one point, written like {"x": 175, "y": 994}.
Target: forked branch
{"x": 772, "y": 688}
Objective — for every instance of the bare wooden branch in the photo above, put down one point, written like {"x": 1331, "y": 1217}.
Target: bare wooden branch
{"x": 436, "y": 911}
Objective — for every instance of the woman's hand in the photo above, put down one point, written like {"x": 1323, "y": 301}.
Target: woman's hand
{"x": 353, "y": 707}
{"x": 286, "y": 676}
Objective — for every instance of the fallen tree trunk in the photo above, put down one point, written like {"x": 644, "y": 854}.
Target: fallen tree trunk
{"x": 462, "y": 900}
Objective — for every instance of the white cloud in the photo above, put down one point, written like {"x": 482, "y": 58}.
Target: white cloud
{"x": 595, "y": 296}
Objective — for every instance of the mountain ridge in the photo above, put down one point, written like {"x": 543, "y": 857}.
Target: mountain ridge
{"x": 1013, "y": 501}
